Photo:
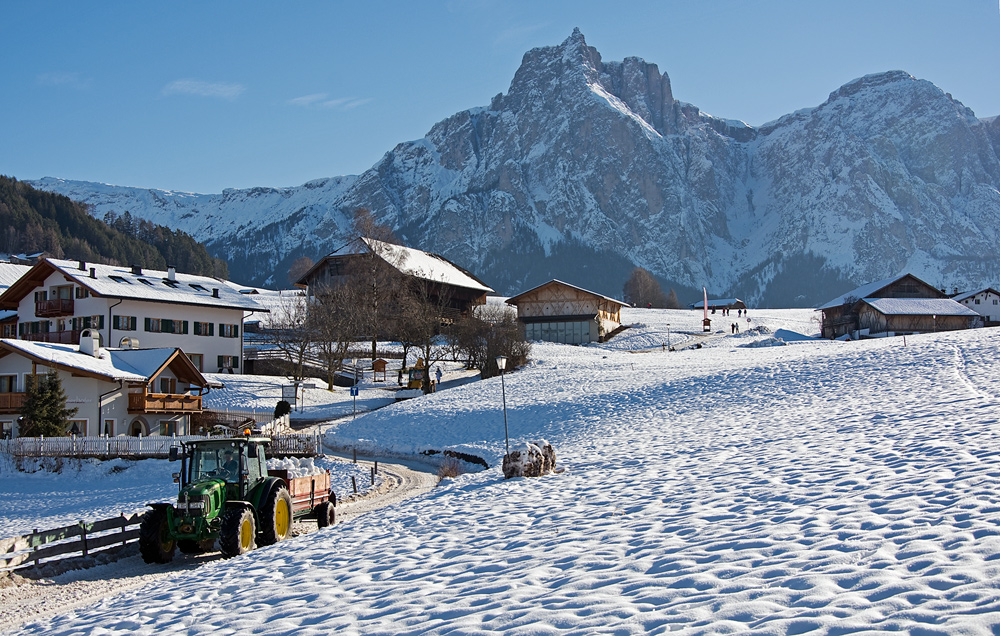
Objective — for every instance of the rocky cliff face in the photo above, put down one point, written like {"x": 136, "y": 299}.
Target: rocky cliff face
{"x": 585, "y": 169}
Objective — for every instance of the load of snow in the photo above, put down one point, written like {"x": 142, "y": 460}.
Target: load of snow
{"x": 296, "y": 466}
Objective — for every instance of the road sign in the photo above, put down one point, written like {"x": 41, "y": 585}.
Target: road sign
{"x": 354, "y": 391}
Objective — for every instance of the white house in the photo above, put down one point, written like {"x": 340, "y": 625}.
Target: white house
{"x": 56, "y": 300}
{"x": 985, "y": 302}
{"x": 115, "y": 391}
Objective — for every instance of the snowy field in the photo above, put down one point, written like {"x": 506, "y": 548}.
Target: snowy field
{"x": 812, "y": 488}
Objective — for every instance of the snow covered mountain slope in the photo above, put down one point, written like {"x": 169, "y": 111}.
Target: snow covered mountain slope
{"x": 585, "y": 169}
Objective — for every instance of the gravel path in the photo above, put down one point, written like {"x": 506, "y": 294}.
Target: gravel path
{"x": 25, "y": 599}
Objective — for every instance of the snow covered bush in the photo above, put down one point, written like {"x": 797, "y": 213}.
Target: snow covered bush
{"x": 531, "y": 460}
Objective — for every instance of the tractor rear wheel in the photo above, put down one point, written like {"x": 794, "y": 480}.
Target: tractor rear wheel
{"x": 156, "y": 545}
{"x": 276, "y": 517}
{"x": 325, "y": 514}
{"x": 237, "y": 533}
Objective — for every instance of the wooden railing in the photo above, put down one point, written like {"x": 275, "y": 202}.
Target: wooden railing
{"x": 11, "y": 402}
{"x": 54, "y": 307}
{"x": 68, "y": 336}
{"x": 150, "y": 447}
{"x": 83, "y": 539}
{"x": 163, "y": 403}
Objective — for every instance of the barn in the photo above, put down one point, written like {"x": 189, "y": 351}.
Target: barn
{"x": 560, "y": 312}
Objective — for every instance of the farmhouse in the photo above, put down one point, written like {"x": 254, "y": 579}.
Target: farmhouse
{"x": 894, "y": 306}
{"x": 56, "y": 300}
{"x": 442, "y": 278}
{"x": 123, "y": 391}
{"x": 560, "y": 312}
{"x": 720, "y": 303}
{"x": 985, "y": 302}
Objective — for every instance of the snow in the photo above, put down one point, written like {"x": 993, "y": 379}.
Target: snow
{"x": 816, "y": 488}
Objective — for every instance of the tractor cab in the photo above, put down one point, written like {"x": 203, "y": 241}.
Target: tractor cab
{"x": 237, "y": 462}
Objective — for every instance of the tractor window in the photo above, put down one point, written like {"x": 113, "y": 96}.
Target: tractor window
{"x": 215, "y": 462}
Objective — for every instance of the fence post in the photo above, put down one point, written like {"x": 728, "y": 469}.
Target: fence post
{"x": 373, "y": 475}
{"x": 124, "y": 522}
{"x": 83, "y": 536}
{"x": 34, "y": 548}
{"x": 354, "y": 484}
{"x": 355, "y": 455}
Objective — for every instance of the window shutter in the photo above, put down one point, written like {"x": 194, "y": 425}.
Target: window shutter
{"x": 147, "y": 324}
{"x": 184, "y": 327}
{"x": 197, "y": 328}
{"x": 211, "y": 328}
{"x": 236, "y": 362}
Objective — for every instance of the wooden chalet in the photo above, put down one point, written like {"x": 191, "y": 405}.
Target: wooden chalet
{"x": 560, "y": 312}
{"x": 442, "y": 279}
{"x": 894, "y": 306}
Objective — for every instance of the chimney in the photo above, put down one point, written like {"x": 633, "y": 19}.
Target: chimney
{"x": 171, "y": 273}
{"x": 82, "y": 266}
{"x": 93, "y": 272}
{"x": 215, "y": 292}
{"x": 90, "y": 342}
{"x": 137, "y": 270}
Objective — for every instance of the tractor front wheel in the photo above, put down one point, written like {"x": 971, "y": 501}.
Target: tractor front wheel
{"x": 156, "y": 545}
{"x": 276, "y": 517}
{"x": 237, "y": 533}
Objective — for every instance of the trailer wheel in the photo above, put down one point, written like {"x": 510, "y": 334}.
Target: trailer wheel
{"x": 237, "y": 533}
{"x": 156, "y": 545}
{"x": 276, "y": 517}
{"x": 325, "y": 514}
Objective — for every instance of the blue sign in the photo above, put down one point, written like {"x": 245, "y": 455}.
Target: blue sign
{"x": 354, "y": 390}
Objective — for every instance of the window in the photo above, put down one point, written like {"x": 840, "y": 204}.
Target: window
{"x": 196, "y": 359}
{"x": 145, "y": 282}
{"x": 166, "y": 325}
{"x": 8, "y": 330}
{"x": 204, "y": 329}
{"x": 88, "y": 322}
{"x": 41, "y": 295}
{"x": 168, "y": 385}
{"x": 229, "y": 331}
{"x": 120, "y": 279}
{"x": 109, "y": 428}
{"x": 229, "y": 362}
{"x": 77, "y": 427}
{"x": 198, "y": 287}
{"x": 977, "y": 301}
{"x": 172, "y": 284}
{"x": 8, "y": 384}
{"x": 82, "y": 292}
{"x": 168, "y": 427}
{"x": 124, "y": 323}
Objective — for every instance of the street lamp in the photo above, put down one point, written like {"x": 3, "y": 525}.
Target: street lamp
{"x": 502, "y": 364}
{"x": 669, "y": 348}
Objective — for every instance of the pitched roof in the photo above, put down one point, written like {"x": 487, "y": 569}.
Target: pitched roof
{"x": 965, "y": 296}
{"x": 114, "y": 281}
{"x": 919, "y": 307}
{"x": 413, "y": 262}
{"x": 717, "y": 302}
{"x": 870, "y": 289}
{"x": 513, "y": 299}
{"x": 10, "y": 273}
{"x": 127, "y": 365}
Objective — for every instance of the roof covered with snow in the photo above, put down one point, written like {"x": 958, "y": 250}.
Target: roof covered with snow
{"x": 9, "y": 273}
{"x": 718, "y": 302}
{"x": 114, "y": 281}
{"x": 410, "y": 261}
{"x": 127, "y": 365}
{"x": 514, "y": 299}
{"x": 972, "y": 294}
{"x": 868, "y": 290}
{"x": 919, "y": 307}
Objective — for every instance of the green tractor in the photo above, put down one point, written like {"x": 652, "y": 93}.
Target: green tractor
{"x": 227, "y": 494}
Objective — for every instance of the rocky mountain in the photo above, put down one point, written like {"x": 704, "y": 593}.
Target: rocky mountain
{"x": 585, "y": 169}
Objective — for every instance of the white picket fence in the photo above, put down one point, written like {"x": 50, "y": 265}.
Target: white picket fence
{"x": 153, "y": 446}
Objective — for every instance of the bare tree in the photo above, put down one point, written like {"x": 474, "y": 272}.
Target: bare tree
{"x": 489, "y": 331}
{"x": 642, "y": 290}
{"x": 298, "y": 269}
{"x": 334, "y": 326}
{"x": 291, "y": 333}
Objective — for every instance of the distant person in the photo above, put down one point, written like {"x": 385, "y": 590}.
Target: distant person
{"x": 437, "y": 374}
{"x": 229, "y": 464}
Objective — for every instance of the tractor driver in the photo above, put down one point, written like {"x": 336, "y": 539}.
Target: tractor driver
{"x": 229, "y": 465}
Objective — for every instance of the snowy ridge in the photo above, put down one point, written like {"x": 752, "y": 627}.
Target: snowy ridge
{"x": 584, "y": 161}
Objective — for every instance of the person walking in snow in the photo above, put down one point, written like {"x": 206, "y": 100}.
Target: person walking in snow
{"x": 437, "y": 374}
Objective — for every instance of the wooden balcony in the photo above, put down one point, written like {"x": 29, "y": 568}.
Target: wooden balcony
{"x": 163, "y": 403}
{"x": 11, "y": 402}
{"x": 54, "y": 308}
{"x": 69, "y": 336}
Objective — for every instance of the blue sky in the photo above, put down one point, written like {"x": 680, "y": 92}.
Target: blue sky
{"x": 202, "y": 96}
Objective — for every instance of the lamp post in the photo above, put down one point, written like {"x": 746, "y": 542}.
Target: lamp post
{"x": 502, "y": 364}
{"x": 668, "y": 337}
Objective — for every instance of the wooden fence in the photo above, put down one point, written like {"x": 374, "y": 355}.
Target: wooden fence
{"x": 153, "y": 446}
{"x": 82, "y": 539}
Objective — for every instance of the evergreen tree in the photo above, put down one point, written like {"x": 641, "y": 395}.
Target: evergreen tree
{"x": 44, "y": 409}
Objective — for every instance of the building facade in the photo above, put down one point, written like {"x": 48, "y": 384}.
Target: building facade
{"x": 560, "y": 312}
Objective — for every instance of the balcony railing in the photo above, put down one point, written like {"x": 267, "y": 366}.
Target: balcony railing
{"x": 69, "y": 336}
{"x": 54, "y": 308}
{"x": 163, "y": 403}
{"x": 11, "y": 402}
